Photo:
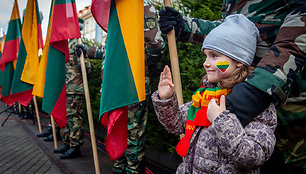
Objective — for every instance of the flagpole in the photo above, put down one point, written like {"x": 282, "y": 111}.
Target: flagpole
{"x": 54, "y": 132}
{"x": 89, "y": 112}
{"x": 175, "y": 64}
{"x": 19, "y": 107}
{"x": 37, "y": 113}
{"x": 174, "y": 61}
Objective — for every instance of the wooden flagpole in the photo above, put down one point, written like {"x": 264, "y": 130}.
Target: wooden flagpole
{"x": 175, "y": 64}
{"x": 19, "y": 107}
{"x": 89, "y": 112}
{"x": 174, "y": 61}
{"x": 37, "y": 114}
{"x": 54, "y": 132}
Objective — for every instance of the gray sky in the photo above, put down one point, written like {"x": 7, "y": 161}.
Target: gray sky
{"x": 6, "y": 7}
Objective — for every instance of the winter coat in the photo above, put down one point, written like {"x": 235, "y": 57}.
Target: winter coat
{"x": 225, "y": 146}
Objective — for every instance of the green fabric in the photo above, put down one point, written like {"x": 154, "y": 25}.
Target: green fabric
{"x": 118, "y": 79}
{"x": 37, "y": 13}
{"x": 55, "y": 78}
{"x": 193, "y": 110}
{"x": 7, "y": 79}
{"x": 14, "y": 30}
{"x": 59, "y": 2}
{"x": 17, "y": 84}
{"x": 1, "y": 73}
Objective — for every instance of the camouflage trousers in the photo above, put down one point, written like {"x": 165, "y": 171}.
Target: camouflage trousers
{"x": 73, "y": 133}
{"x": 132, "y": 161}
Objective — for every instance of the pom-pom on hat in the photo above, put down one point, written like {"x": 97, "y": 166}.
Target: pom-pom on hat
{"x": 236, "y": 38}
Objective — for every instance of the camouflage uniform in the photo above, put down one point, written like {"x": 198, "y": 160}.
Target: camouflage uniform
{"x": 133, "y": 159}
{"x": 73, "y": 133}
{"x": 280, "y": 60}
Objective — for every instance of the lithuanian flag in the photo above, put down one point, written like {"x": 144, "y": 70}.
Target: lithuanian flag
{"x": 9, "y": 55}
{"x": 27, "y": 60}
{"x": 39, "y": 85}
{"x": 124, "y": 69}
{"x": 32, "y": 37}
{"x": 64, "y": 26}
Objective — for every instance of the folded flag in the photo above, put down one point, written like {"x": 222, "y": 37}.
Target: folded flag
{"x": 9, "y": 55}
{"x": 64, "y": 26}
{"x": 27, "y": 60}
{"x": 124, "y": 68}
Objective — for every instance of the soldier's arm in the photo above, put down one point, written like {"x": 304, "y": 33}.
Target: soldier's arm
{"x": 278, "y": 68}
{"x": 286, "y": 56}
{"x": 186, "y": 29}
{"x": 195, "y": 30}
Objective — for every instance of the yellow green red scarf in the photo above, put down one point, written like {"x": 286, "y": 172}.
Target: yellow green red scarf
{"x": 197, "y": 114}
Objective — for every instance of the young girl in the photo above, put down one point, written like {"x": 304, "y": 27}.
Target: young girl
{"x": 215, "y": 141}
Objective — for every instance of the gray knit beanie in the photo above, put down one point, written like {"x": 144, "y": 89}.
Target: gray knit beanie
{"x": 236, "y": 38}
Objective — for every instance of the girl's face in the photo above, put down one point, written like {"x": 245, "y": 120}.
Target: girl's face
{"x": 218, "y": 66}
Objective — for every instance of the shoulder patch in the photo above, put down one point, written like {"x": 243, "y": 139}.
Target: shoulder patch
{"x": 150, "y": 22}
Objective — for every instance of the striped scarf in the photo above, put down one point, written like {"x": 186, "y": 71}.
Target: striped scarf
{"x": 197, "y": 114}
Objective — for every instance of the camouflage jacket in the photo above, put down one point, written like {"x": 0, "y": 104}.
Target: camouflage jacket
{"x": 281, "y": 49}
{"x": 74, "y": 80}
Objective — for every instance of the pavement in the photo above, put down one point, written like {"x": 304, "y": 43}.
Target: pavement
{"x": 22, "y": 152}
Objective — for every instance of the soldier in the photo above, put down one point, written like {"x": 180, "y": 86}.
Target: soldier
{"x": 132, "y": 161}
{"x": 73, "y": 136}
{"x": 280, "y": 63}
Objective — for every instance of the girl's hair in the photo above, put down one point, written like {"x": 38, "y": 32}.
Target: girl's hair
{"x": 238, "y": 75}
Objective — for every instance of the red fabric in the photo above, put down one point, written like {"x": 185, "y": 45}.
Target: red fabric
{"x": 40, "y": 39}
{"x": 10, "y": 52}
{"x": 7, "y": 99}
{"x": 201, "y": 117}
{"x": 59, "y": 112}
{"x": 116, "y": 140}
{"x": 183, "y": 145}
{"x": 100, "y": 10}
{"x": 66, "y": 27}
{"x": 24, "y": 97}
{"x": 62, "y": 45}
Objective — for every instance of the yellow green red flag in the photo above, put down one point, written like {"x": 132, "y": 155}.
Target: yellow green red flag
{"x": 124, "y": 68}
{"x": 27, "y": 60}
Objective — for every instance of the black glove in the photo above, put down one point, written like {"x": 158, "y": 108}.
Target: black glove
{"x": 170, "y": 18}
{"x": 247, "y": 102}
{"x": 79, "y": 48}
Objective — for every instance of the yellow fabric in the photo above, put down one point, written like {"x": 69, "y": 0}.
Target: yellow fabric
{"x": 208, "y": 95}
{"x": 30, "y": 38}
{"x": 196, "y": 98}
{"x": 38, "y": 89}
{"x": 15, "y": 13}
{"x": 2, "y": 44}
{"x": 132, "y": 27}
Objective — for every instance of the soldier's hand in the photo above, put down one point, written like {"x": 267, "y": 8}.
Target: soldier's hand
{"x": 79, "y": 48}
{"x": 170, "y": 18}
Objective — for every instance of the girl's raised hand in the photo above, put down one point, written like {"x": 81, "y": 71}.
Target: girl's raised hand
{"x": 165, "y": 85}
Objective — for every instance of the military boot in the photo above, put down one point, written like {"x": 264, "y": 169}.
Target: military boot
{"x": 50, "y": 137}
{"x": 62, "y": 149}
{"x": 72, "y": 152}
{"x": 46, "y": 132}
